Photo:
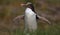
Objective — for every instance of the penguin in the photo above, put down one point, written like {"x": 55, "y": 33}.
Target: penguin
{"x": 30, "y": 18}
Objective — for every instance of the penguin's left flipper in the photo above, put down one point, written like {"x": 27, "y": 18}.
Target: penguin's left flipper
{"x": 17, "y": 19}
{"x": 42, "y": 18}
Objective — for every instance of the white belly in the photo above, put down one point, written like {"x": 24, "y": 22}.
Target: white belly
{"x": 30, "y": 21}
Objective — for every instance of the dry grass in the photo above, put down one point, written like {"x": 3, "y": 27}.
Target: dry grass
{"x": 48, "y": 9}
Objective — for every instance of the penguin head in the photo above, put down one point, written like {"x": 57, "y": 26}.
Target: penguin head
{"x": 26, "y": 4}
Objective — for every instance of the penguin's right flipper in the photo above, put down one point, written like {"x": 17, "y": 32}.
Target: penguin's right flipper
{"x": 17, "y": 19}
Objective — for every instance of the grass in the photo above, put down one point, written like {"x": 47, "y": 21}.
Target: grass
{"x": 51, "y": 30}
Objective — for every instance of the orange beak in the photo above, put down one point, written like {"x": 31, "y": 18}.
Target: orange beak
{"x": 23, "y": 4}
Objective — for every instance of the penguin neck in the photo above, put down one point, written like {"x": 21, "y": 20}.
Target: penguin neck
{"x": 31, "y": 7}
{"x": 28, "y": 11}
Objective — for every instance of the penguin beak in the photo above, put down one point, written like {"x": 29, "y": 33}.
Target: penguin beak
{"x": 23, "y": 4}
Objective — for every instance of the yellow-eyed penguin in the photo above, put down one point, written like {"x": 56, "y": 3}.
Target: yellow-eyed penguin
{"x": 30, "y": 17}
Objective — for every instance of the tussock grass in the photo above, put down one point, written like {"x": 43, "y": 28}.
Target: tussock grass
{"x": 51, "y": 30}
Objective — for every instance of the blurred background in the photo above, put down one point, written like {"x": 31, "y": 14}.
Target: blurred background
{"x": 49, "y": 9}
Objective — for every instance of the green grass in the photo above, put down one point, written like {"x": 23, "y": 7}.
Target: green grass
{"x": 51, "y": 30}
{"x": 42, "y": 32}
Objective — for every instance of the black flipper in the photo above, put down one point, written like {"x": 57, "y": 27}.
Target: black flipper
{"x": 42, "y": 18}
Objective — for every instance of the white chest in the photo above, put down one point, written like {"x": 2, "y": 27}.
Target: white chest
{"x": 30, "y": 19}
{"x": 29, "y": 12}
